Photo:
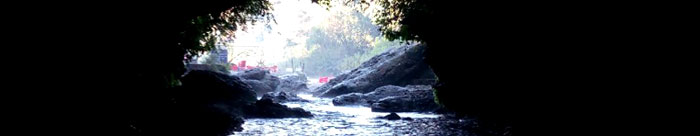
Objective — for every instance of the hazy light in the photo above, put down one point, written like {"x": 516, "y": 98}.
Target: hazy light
{"x": 268, "y": 43}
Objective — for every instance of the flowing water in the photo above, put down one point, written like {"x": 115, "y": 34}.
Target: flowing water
{"x": 349, "y": 120}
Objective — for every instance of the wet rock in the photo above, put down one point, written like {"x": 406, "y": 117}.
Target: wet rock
{"x": 254, "y": 74}
{"x": 208, "y": 67}
{"x": 392, "y": 116}
{"x": 271, "y": 81}
{"x": 260, "y": 80}
{"x": 295, "y": 82}
{"x": 297, "y": 76}
{"x": 400, "y": 104}
{"x": 391, "y": 90}
{"x": 407, "y": 118}
{"x": 350, "y": 99}
{"x": 390, "y": 98}
{"x": 400, "y": 66}
{"x": 280, "y": 97}
{"x": 259, "y": 87}
{"x": 414, "y": 98}
{"x": 266, "y": 108}
{"x": 435, "y": 126}
{"x": 369, "y": 98}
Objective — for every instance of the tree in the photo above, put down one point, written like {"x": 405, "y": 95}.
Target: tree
{"x": 338, "y": 44}
{"x": 157, "y": 38}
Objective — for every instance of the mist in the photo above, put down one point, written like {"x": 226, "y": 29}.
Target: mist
{"x": 309, "y": 38}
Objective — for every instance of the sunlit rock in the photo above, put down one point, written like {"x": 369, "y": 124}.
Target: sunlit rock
{"x": 400, "y": 66}
{"x": 295, "y": 82}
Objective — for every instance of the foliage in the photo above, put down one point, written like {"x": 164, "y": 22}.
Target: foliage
{"x": 405, "y": 20}
{"x": 203, "y": 30}
{"x": 154, "y": 40}
{"x": 380, "y": 45}
{"x": 183, "y": 30}
{"x": 347, "y": 39}
{"x": 214, "y": 65}
{"x": 486, "y": 28}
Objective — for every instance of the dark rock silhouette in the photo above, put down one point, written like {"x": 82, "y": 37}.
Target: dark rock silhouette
{"x": 266, "y": 108}
{"x": 391, "y": 116}
{"x": 213, "y": 103}
{"x": 206, "y": 87}
{"x": 207, "y": 103}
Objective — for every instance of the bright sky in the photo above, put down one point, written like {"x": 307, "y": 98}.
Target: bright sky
{"x": 269, "y": 44}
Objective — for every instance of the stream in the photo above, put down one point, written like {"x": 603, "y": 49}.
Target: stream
{"x": 350, "y": 120}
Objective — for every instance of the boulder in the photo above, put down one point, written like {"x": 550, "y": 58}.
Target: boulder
{"x": 207, "y": 87}
{"x": 207, "y": 103}
{"x": 399, "y": 66}
{"x": 391, "y": 116}
{"x": 390, "y": 98}
{"x": 297, "y": 76}
{"x": 254, "y": 74}
{"x": 259, "y": 87}
{"x": 260, "y": 80}
{"x": 280, "y": 97}
{"x": 266, "y": 108}
{"x": 416, "y": 99}
{"x": 208, "y": 67}
{"x": 350, "y": 99}
{"x": 295, "y": 82}
{"x": 389, "y": 90}
{"x": 404, "y": 104}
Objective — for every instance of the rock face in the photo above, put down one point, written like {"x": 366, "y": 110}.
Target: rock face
{"x": 400, "y": 66}
{"x": 211, "y": 100}
{"x": 260, "y": 80}
{"x": 392, "y": 90}
{"x": 266, "y": 108}
{"x": 390, "y": 98}
{"x": 295, "y": 82}
{"x": 280, "y": 97}
{"x": 212, "y": 87}
{"x": 213, "y": 103}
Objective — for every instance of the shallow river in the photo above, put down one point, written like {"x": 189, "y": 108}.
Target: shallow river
{"x": 350, "y": 120}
